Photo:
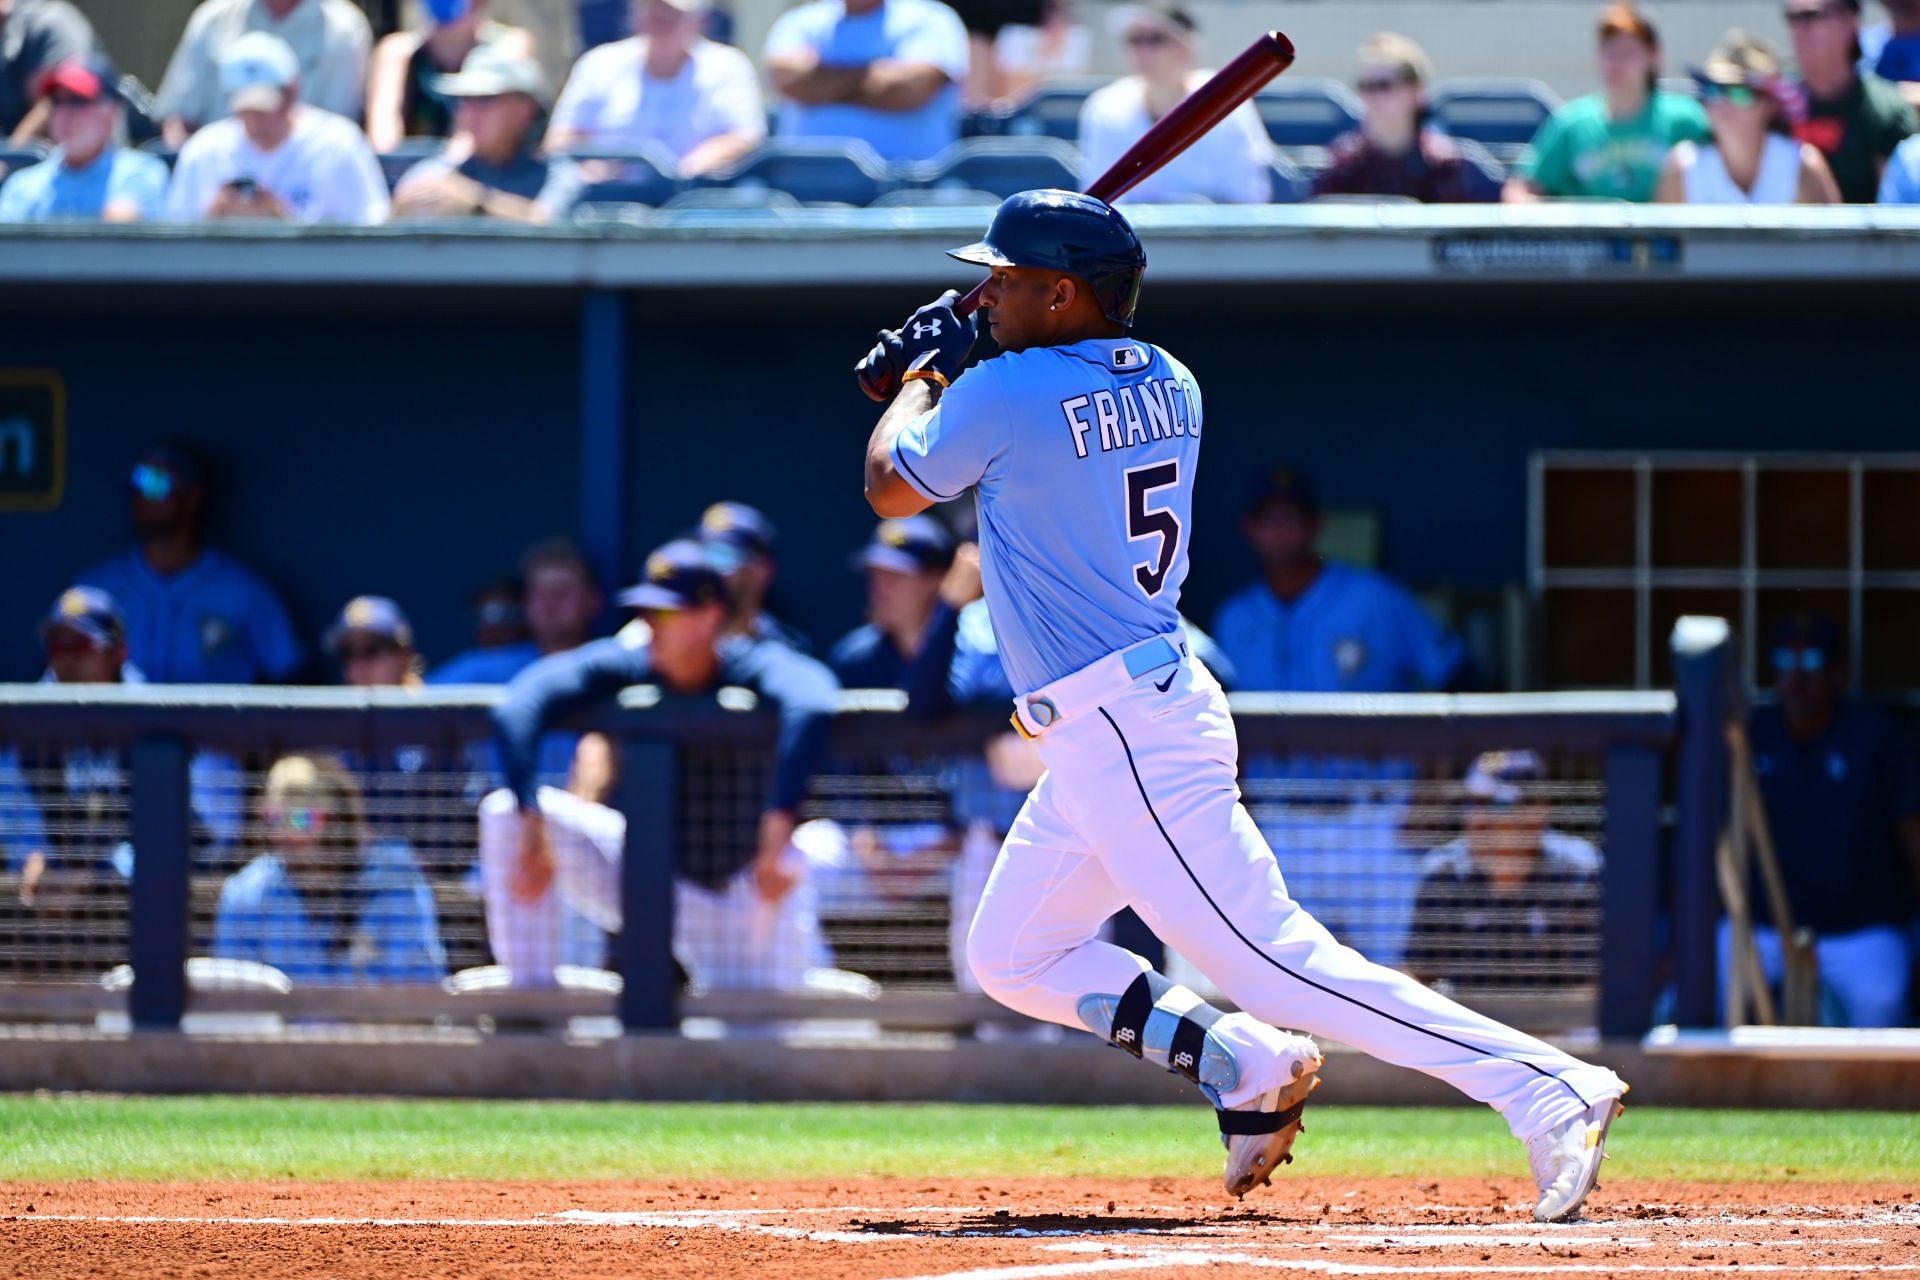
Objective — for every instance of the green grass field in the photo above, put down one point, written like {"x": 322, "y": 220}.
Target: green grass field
{"x": 46, "y": 1138}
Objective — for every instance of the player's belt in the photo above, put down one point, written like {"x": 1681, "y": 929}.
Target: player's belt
{"x": 1092, "y": 684}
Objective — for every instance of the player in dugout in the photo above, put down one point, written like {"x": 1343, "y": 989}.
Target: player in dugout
{"x": 743, "y": 912}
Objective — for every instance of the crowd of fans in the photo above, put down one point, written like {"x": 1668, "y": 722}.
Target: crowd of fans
{"x": 325, "y": 892}
{"x": 281, "y": 109}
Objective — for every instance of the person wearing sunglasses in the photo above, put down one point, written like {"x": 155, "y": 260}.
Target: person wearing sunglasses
{"x": 1855, "y": 118}
{"x": 89, "y": 175}
{"x": 1512, "y": 902}
{"x": 744, "y": 912}
{"x": 324, "y": 902}
{"x": 1394, "y": 152}
{"x": 1753, "y": 157}
{"x": 195, "y": 615}
{"x": 1842, "y": 794}
{"x": 1229, "y": 164}
{"x": 1610, "y": 145}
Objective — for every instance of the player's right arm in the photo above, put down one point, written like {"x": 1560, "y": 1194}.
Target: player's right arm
{"x": 888, "y": 491}
{"x": 937, "y": 439}
{"x": 548, "y": 688}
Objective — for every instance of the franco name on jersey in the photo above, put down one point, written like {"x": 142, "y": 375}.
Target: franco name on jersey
{"x": 1133, "y": 413}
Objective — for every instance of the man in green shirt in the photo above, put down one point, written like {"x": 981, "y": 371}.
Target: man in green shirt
{"x": 1610, "y": 145}
{"x": 1855, "y": 120}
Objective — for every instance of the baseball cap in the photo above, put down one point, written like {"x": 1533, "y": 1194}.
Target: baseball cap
{"x": 1496, "y": 775}
{"x": 915, "y": 544}
{"x": 1808, "y": 631}
{"x": 680, "y": 574}
{"x": 88, "y": 610}
{"x": 490, "y": 71}
{"x": 1282, "y": 484}
{"x": 256, "y": 70}
{"x": 736, "y": 531}
{"x": 93, "y": 78}
{"x": 1172, "y": 17}
{"x": 375, "y": 615}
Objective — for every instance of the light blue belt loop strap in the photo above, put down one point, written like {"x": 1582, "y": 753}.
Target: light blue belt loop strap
{"x": 1156, "y": 653}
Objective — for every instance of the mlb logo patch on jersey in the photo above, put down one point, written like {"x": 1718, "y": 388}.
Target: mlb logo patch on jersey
{"x": 1129, "y": 357}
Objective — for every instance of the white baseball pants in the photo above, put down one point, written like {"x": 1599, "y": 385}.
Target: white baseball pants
{"x": 726, "y": 938}
{"x": 1140, "y": 806}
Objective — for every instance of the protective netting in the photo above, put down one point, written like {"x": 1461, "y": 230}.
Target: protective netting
{"x": 405, "y": 866}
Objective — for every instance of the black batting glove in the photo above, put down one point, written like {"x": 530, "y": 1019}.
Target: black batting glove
{"x": 935, "y": 341}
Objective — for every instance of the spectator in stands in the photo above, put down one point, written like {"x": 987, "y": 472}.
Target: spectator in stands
{"x": 560, "y": 598}
{"x": 1610, "y": 145}
{"x": 1855, "y": 119}
{"x": 743, "y": 914}
{"x": 275, "y": 157}
{"x": 885, "y": 72}
{"x": 1026, "y": 57}
{"x": 1892, "y": 48}
{"x": 194, "y": 614}
{"x": 326, "y": 903}
{"x": 741, "y": 541}
{"x": 1395, "y": 152}
{"x": 35, "y": 37}
{"x": 907, "y": 640}
{"x": 1317, "y": 627}
{"x": 668, "y": 87}
{"x": 89, "y": 175}
{"x": 1753, "y": 157}
{"x": 1229, "y": 164}
{"x": 499, "y": 620}
{"x": 1900, "y": 183}
{"x": 491, "y": 168}
{"x": 1512, "y": 902}
{"x": 372, "y": 642}
{"x": 984, "y": 20}
{"x": 1842, "y": 798}
{"x": 405, "y": 96}
{"x": 329, "y": 39}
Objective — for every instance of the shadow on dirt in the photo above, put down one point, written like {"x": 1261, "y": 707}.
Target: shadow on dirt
{"x": 1006, "y": 1223}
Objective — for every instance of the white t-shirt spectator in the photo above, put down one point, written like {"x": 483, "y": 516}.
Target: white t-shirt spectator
{"x": 323, "y": 172}
{"x": 1022, "y": 51}
{"x": 330, "y": 38}
{"x": 1229, "y": 164}
{"x": 612, "y": 102}
{"x": 903, "y": 30}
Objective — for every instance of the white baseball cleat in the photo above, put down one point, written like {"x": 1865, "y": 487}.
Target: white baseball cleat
{"x": 1566, "y": 1160}
{"x": 1259, "y": 1135}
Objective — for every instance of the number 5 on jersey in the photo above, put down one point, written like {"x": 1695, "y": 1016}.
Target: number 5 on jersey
{"x": 1145, "y": 521}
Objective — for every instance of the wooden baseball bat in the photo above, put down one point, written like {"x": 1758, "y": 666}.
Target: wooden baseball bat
{"x": 1173, "y": 133}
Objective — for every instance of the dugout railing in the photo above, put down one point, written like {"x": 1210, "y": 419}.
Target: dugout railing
{"x": 1364, "y": 798}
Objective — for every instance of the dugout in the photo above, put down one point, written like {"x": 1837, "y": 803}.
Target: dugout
{"x": 399, "y": 411}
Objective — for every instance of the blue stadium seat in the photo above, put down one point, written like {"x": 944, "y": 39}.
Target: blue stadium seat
{"x": 1003, "y": 165}
{"x": 20, "y": 157}
{"x": 1053, "y": 110}
{"x": 411, "y": 151}
{"x": 1290, "y": 185}
{"x": 1306, "y": 112}
{"x": 813, "y": 171}
{"x": 742, "y": 197}
{"x": 644, "y": 175}
{"x": 988, "y": 123}
{"x": 1500, "y": 114}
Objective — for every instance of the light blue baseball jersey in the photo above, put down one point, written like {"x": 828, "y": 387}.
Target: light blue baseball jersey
{"x": 1082, "y": 461}
{"x": 1352, "y": 632}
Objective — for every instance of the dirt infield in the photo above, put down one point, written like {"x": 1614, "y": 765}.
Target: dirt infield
{"x": 892, "y": 1230}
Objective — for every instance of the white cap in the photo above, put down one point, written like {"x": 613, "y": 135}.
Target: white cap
{"x": 490, "y": 71}
{"x": 256, "y": 71}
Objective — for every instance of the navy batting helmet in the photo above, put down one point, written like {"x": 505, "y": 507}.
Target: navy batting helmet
{"x": 1070, "y": 232}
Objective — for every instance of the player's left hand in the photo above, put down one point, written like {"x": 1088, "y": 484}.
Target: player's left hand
{"x": 935, "y": 341}
{"x": 532, "y": 874}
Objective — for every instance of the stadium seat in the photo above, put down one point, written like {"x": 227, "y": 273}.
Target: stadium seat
{"x": 1500, "y": 114}
{"x": 744, "y": 197}
{"x": 159, "y": 147}
{"x": 411, "y": 151}
{"x": 987, "y": 123}
{"x": 1290, "y": 185}
{"x": 812, "y": 171}
{"x": 1306, "y": 112}
{"x": 1003, "y": 165}
{"x": 643, "y": 176}
{"x": 937, "y": 198}
{"x": 12, "y": 158}
{"x": 1053, "y": 111}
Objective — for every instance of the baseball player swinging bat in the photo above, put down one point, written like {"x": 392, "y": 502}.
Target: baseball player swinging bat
{"x": 1080, "y": 442}
{"x": 1173, "y": 133}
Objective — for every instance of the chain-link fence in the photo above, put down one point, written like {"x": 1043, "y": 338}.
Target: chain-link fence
{"x": 386, "y": 860}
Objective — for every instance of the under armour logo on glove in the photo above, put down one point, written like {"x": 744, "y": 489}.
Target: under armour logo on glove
{"x": 927, "y": 328}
